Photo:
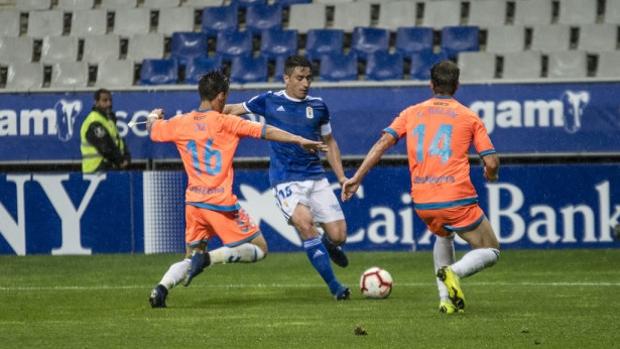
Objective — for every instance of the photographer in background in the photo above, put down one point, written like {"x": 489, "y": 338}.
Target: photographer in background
{"x": 101, "y": 144}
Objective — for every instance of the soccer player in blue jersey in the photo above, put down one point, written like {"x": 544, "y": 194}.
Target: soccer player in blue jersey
{"x": 302, "y": 192}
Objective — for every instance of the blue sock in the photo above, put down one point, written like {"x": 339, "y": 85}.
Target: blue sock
{"x": 317, "y": 254}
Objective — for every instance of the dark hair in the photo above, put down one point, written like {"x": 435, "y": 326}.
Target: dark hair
{"x": 100, "y": 92}
{"x": 293, "y": 62}
{"x": 445, "y": 77}
{"x": 211, "y": 84}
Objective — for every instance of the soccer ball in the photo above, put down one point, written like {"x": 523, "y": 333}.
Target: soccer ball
{"x": 376, "y": 283}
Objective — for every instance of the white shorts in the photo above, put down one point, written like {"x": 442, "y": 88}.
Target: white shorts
{"x": 316, "y": 194}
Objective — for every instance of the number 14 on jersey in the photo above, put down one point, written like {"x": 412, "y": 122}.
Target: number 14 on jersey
{"x": 441, "y": 144}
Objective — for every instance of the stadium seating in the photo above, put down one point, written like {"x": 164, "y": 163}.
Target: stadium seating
{"x": 161, "y": 4}
{"x": 118, "y": 4}
{"x": 45, "y": 23}
{"x": 276, "y": 42}
{"x": 287, "y": 3}
{"x": 323, "y": 41}
{"x": 397, "y": 14}
{"x": 459, "y": 39}
{"x": 476, "y": 66}
{"x": 129, "y": 22}
{"x": 219, "y": 19}
{"x": 442, "y": 13}
{"x": 368, "y": 40}
{"x": 612, "y": 12}
{"x": 305, "y": 17}
{"x": 199, "y": 4}
{"x": 247, "y": 3}
{"x": 98, "y": 48}
{"x": 533, "y": 12}
{"x": 58, "y": 49}
{"x": 421, "y": 63}
{"x": 113, "y": 73}
{"x": 344, "y": 20}
{"x": 551, "y": 38}
{"x": 28, "y": 5}
{"x": 382, "y": 65}
{"x": 508, "y": 38}
{"x": 69, "y": 75}
{"x": 246, "y": 69}
{"x": 159, "y": 72}
{"x": 263, "y": 17}
{"x": 74, "y": 5}
{"x": 231, "y": 44}
{"x": 522, "y": 65}
{"x": 338, "y": 67}
{"x": 577, "y": 12}
{"x": 14, "y": 50}
{"x": 198, "y": 66}
{"x": 568, "y": 64}
{"x": 608, "y": 66}
{"x": 89, "y": 22}
{"x": 486, "y": 13}
{"x": 186, "y": 45}
{"x": 145, "y": 46}
{"x": 24, "y": 76}
{"x": 414, "y": 39}
{"x": 279, "y": 68}
{"x": 175, "y": 19}
{"x": 10, "y": 23}
{"x": 598, "y": 37}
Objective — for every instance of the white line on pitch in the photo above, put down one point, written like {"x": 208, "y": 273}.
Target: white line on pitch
{"x": 275, "y": 285}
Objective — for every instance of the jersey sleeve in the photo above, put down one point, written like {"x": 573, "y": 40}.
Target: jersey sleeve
{"x": 242, "y": 127}
{"x": 482, "y": 141}
{"x": 164, "y": 130}
{"x": 398, "y": 127}
{"x": 257, "y": 104}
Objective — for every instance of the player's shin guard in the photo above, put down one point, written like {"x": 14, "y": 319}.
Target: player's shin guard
{"x": 474, "y": 261}
{"x": 317, "y": 254}
{"x": 244, "y": 253}
{"x": 443, "y": 254}
{"x": 175, "y": 274}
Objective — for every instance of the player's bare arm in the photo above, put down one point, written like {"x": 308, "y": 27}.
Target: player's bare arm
{"x": 372, "y": 158}
{"x": 234, "y": 109}
{"x": 491, "y": 167}
{"x": 278, "y": 135}
{"x": 333, "y": 157}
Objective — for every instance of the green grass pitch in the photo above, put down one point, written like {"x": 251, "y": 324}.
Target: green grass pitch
{"x": 530, "y": 299}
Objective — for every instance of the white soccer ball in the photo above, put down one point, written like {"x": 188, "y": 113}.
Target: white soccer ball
{"x": 376, "y": 283}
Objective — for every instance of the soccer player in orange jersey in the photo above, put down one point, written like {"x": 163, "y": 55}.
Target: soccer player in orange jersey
{"x": 207, "y": 141}
{"x": 439, "y": 133}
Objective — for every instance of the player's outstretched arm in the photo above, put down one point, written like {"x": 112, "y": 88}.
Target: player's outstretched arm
{"x": 234, "y": 109}
{"x": 372, "y": 158}
{"x": 491, "y": 167}
{"x": 275, "y": 134}
{"x": 334, "y": 159}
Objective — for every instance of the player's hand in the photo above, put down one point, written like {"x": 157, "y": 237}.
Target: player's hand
{"x": 312, "y": 146}
{"x": 349, "y": 188}
{"x": 488, "y": 177}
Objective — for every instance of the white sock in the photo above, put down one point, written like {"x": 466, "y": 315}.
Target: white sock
{"x": 245, "y": 253}
{"x": 443, "y": 254}
{"x": 474, "y": 261}
{"x": 176, "y": 273}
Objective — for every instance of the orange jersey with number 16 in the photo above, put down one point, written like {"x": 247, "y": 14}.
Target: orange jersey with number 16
{"x": 207, "y": 141}
{"x": 439, "y": 133}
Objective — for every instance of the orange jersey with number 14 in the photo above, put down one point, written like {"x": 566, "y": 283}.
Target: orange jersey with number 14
{"x": 207, "y": 141}
{"x": 439, "y": 133}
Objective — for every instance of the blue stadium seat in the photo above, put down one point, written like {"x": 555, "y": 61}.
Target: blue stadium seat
{"x": 279, "y": 69}
{"x": 276, "y": 42}
{"x": 247, "y": 3}
{"x": 231, "y": 44}
{"x": 323, "y": 41}
{"x": 422, "y": 62}
{"x": 368, "y": 40}
{"x": 382, "y": 65}
{"x": 338, "y": 66}
{"x": 198, "y": 66}
{"x": 159, "y": 72}
{"x": 413, "y": 39}
{"x": 186, "y": 45}
{"x": 263, "y": 17}
{"x": 287, "y": 3}
{"x": 459, "y": 39}
{"x": 219, "y": 19}
{"x": 248, "y": 69}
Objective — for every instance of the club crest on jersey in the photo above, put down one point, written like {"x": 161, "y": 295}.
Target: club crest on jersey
{"x": 309, "y": 113}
